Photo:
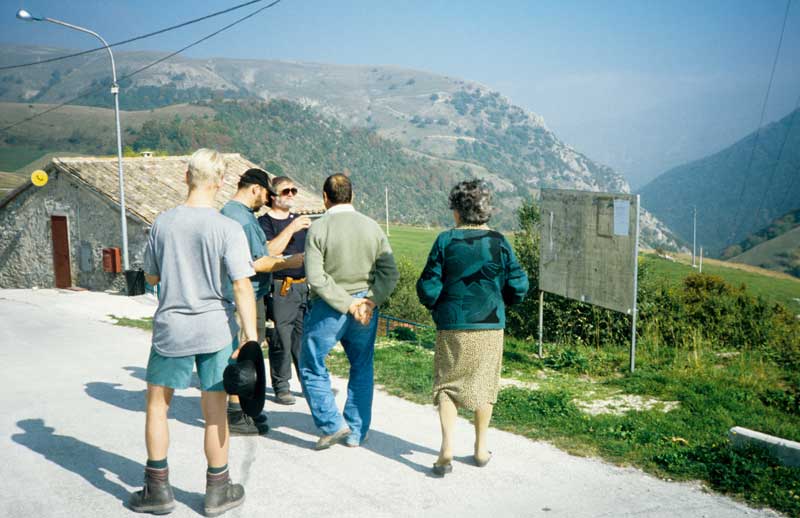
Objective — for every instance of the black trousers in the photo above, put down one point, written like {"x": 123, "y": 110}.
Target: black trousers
{"x": 284, "y": 346}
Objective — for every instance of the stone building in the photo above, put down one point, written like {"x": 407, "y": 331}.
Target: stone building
{"x": 55, "y": 235}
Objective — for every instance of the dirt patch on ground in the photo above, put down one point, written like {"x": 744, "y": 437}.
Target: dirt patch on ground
{"x": 510, "y": 382}
{"x": 622, "y": 403}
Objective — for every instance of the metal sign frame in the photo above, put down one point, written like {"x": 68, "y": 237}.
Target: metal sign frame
{"x": 633, "y": 311}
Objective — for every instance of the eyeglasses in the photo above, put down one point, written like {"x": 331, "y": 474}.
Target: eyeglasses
{"x": 292, "y": 190}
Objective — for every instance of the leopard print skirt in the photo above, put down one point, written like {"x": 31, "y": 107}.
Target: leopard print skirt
{"x": 466, "y": 366}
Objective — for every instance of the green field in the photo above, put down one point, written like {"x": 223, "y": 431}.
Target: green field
{"x": 15, "y": 157}
{"x": 777, "y": 289}
{"x": 412, "y": 243}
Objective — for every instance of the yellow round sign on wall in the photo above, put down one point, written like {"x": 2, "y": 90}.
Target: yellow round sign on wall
{"x": 39, "y": 178}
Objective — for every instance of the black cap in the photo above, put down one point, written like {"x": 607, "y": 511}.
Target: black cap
{"x": 256, "y": 177}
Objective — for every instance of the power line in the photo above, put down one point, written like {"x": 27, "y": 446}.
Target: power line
{"x": 136, "y": 38}
{"x": 738, "y": 222}
{"x": 127, "y": 76}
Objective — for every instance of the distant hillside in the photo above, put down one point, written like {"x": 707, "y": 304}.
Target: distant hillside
{"x": 284, "y": 137}
{"x": 775, "y": 247}
{"x": 781, "y": 253}
{"x": 778, "y": 227}
{"x": 446, "y": 122}
{"x": 714, "y": 185}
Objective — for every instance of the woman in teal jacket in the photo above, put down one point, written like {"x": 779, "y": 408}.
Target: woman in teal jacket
{"x": 470, "y": 277}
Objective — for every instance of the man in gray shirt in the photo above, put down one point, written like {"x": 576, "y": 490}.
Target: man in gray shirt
{"x": 193, "y": 251}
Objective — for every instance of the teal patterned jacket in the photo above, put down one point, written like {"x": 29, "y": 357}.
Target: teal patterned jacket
{"x": 470, "y": 277}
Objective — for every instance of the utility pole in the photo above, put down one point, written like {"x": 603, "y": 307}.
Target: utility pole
{"x": 701, "y": 259}
{"x": 694, "y": 235}
{"x": 24, "y": 15}
{"x": 386, "y": 194}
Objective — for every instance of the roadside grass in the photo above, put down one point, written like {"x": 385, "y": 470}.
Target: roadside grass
{"x": 139, "y": 323}
{"x": 708, "y": 392}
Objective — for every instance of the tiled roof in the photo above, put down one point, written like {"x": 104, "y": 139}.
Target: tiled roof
{"x": 156, "y": 184}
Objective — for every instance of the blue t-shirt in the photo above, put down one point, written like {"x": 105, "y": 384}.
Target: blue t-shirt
{"x": 256, "y": 239}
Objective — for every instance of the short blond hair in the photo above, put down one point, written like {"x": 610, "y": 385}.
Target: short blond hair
{"x": 206, "y": 167}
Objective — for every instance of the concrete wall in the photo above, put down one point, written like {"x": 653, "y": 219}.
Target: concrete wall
{"x": 26, "y": 247}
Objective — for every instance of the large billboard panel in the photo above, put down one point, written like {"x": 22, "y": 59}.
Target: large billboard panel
{"x": 588, "y": 247}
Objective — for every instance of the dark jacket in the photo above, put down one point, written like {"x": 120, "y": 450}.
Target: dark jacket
{"x": 470, "y": 277}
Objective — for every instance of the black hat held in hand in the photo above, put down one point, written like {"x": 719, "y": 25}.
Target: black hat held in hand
{"x": 247, "y": 378}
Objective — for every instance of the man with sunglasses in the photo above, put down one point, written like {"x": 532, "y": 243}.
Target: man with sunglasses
{"x": 252, "y": 193}
{"x": 288, "y": 299}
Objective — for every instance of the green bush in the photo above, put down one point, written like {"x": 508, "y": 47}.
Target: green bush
{"x": 403, "y": 333}
{"x": 404, "y": 302}
{"x": 567, "y": 359}
{"x": 703, "y": 308}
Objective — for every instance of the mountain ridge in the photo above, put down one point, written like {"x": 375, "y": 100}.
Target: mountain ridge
{"x": 446, "y": 119}
{"x": 737, "y": 191}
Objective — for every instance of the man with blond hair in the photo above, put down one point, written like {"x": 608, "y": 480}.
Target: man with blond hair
{"x": 193, "y": 251}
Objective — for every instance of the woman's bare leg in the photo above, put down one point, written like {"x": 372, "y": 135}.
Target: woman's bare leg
{"x": 447, "y": 417}
{"x": 482, "y": 417}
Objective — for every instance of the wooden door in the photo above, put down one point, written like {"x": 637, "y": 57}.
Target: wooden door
{"x": 58, "y": 226}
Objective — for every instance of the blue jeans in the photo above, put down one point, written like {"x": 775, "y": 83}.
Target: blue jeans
{"x": 322, "y": 329}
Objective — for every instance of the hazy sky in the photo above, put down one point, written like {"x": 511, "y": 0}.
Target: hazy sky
{"x": 638, "y": 85}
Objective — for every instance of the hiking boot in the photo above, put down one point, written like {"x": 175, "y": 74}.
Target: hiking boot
{"x": 221, "y": 494}
{"x": 326, "y": 441}
{"x": 156, "y": 496}
{"x": 285, "y": 397}
{"x": 240, "y": 423}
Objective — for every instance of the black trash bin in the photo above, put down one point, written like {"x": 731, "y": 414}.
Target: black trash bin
{"x": 135, "y": 281}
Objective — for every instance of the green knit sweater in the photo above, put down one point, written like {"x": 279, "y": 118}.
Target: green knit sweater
{"x": 469, "y": 279}
{"x": 347, "y": 253}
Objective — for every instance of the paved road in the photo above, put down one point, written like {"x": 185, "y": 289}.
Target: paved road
{"x": 71, "y": 434}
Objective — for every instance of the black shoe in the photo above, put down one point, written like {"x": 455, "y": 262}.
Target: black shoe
{"x": 482, "y": 463}
{"x": 221, "y": 494}
{"x": 285, "y": 397}
{"x": 260, "y": 418}
{"x": 156, "y": 496}
{"x": 440, "y": 470}
{"x": 240, "y": 423}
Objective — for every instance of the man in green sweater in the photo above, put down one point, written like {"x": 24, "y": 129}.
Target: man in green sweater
{"x": 351, "y": 270}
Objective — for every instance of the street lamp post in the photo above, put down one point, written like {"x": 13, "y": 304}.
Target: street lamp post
{"x": 24, "y": 15}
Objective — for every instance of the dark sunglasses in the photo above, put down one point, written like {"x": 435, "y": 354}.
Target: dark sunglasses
{"x": 285, "y": 192}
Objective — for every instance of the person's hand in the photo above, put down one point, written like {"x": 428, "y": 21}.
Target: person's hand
{"x": 301, "y": 223}
{"x": 236, "y": 352}
{"x": 295, "y": 260}
{"x": 238, "y": 349}
{"x": 362, "y": 309}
